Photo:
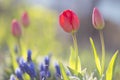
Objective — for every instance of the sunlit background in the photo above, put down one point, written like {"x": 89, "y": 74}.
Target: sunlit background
{"x": 44, "y": 34}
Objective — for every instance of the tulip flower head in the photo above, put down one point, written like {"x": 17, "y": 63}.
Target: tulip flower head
{"x": 16, "y": 28}
{"x": 69, "y": 21}
{"x": 25, "y": 19}
{"x": 97, "y": 19}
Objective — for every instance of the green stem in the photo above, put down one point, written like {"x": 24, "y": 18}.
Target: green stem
{"x": 19, "y": 46}
{"x": 103, "y": 49}
{"x": 76, "y": 49}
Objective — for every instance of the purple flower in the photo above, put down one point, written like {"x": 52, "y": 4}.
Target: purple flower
{"x": 41, "y": 67}
{"x": 29, "y": 53}
{"x": 57, "y": 68}
{"x": 42, "y": 75}
{"x": 18, "y": 73}
{"x": 32, "y": 70}
{"x": 22, "y": 63}
{"x": 12, "y": 77}
{"x": 47, "y": 60}
{"x": 44, "y": 68}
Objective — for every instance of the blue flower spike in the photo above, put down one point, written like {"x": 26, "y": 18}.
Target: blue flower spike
{"x": 58, "y": 73}
{"x": 12, "y": 77}
{"x": 41, "y": 67}
{"x": 47, "y": 62}
{"x": 21, "y": 63}
{"x": 18, "y": 73}
{"x": 42, "y": 75}
{"x": 32, "y": 70}
{"x": 29, "y": 53}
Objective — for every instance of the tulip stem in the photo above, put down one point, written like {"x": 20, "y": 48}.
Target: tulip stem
{"x": 76, "y": 50}
{"x": 19, "y": 46}
{"x": 103, "y": 49}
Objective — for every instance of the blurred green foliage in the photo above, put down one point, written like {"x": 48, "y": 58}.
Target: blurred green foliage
{"x": 39, "y": 36}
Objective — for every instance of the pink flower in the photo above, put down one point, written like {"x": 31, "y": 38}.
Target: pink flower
{"x": 25, "y": 19}
{"x": 69, "y": 21}
{"x": 16, "y": 28}
{"x": 97, "y": 19}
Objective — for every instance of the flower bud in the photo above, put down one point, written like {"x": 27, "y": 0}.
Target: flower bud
{"x": 25, "y": 19}
{"x": 16, "y": 28}
{"x": 69, "y": 21}
{"x": 97, "y": 19}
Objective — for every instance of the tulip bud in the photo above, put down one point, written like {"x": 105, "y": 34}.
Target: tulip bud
{"x": 25, "y": 19}
{"x": 97, "y": 19}
{"x": 16, "y": 28}
{"x": 69, "y": 21}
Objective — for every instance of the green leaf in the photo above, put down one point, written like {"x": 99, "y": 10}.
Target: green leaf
{"x": 63, "y": 72}
{"x": 79, "y": 65}
{"x": 73, "y": 72}
{"x": 97, "y": 60}
{"x": 26, "y": 76}
{"x": 110, "y": 69}
{"x": 80, "y": 76}
{"x": 72, "y": 61}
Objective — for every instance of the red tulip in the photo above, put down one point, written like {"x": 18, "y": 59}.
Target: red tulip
{"x": 25, "y": 19}
{"x": 97, "y": 19}
{"x": 69, "y": 21}
{"x": 16, "y": 28}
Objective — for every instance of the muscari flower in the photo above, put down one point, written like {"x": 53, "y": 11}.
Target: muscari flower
{"x": 47, "y": 62}
{"x": 97, "y": 19}
{"x": 18, "y": 73}
{"x": 41, "y": 67}
{"x": 12, "y": 77}
{"x": 27, "y": 67}
{"x": 58, "y": 73}
{"x": 42, "y": 75}
{"x": 16, "y": 28}
{"x": 25, "y": 19}
{"x": 21, "y": 64}
{"x": 29, "y": 53}
{"x": 69, "y": 21}
{"x": 44, "y": 69}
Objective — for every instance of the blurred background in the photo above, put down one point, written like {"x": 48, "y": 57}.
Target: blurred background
{"x": 44, "y": 34}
